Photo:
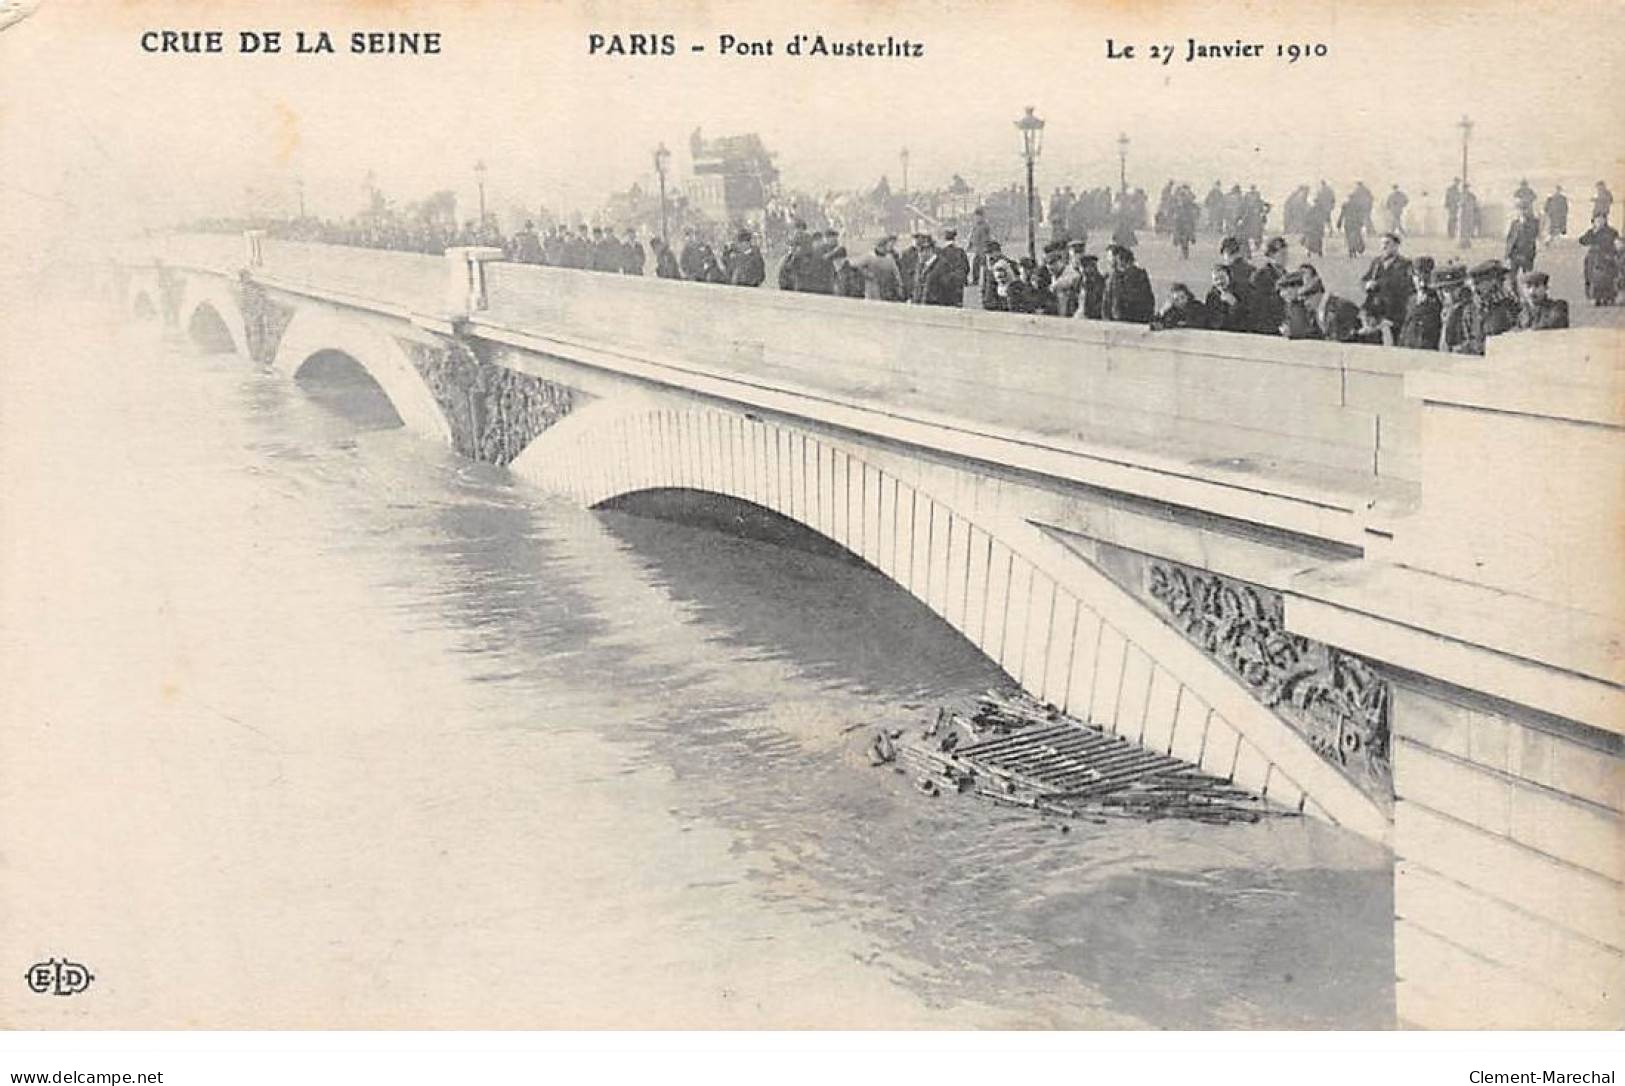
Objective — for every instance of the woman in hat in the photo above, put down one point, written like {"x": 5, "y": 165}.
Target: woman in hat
{"x": 1602, "y": 261}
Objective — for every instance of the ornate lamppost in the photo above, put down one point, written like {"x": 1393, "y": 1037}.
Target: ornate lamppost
{"x": 1122, "y": 162}
{"x": 479, "y": 176}
{"x": 1465, "y": 229}
{"x": 903, "y": 154}
{"x": 1032, "y": 142}
{"x": 662, "y": 161}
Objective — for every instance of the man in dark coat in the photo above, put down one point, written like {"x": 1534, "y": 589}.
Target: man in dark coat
{"x": 1269, "y": 308}
{"x": 1233, "y": 255}
{"x": 1557, "y": 214}
{"x": 606, "y": 251}
{"x": 1454, "y": 301}
{"x": 527, "y": 247}
{"x": 804, "y": 270}
{"x": 940, "y": 278}
{"x": 665, "y": 260}
{"x": 1603, "y": 202}
{"x": 745, "y": 267}
{"x": 1420, "y": 327}
{"x": 1183, "y": 310}
{"x": 1539, "y": 310}
{"x": 993, "y": 254}
{"x": 1091, "y": 288}
{"x": 909, "y": 261}
{"x": 632, "y": 255}
{"x": 1226, "y": 309}
{"x": 1491, "y": 310}
{"x": 1128, "y": 294}
{"x": 956, "y": 270}
{"x": 1387, "y": 281}
{"x": 691, "y": 257}
{"x": 1523, "y": 234}
{"x": 1330, "y": 317}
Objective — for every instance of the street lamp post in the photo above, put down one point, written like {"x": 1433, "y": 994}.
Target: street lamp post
{"x": 1122, "y": 162}
{"x": 479, "y": 176}
{"x": 1463, "y": 228}
{"x": 903, "y": 154}
{"x": 662, "y": 160}
{"x": 1032, "y": 142}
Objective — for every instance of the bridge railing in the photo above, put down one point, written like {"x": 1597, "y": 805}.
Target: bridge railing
{"x": 1325, "y": 416}
{"x": 1257, "y": 402}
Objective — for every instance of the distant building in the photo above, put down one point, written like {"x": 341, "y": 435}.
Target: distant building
{"x": 734, "y": 177}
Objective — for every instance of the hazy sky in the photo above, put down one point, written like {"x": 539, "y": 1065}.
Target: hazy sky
{"x": 88, "y": 118}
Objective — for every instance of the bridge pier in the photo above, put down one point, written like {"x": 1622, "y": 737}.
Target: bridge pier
{"x": 1497, "y": 616}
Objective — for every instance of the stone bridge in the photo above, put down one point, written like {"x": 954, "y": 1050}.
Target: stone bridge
{"x": 1380, "y": 587}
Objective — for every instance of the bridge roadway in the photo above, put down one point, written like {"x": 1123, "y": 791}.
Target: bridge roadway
{"x": 1377, "y": 586}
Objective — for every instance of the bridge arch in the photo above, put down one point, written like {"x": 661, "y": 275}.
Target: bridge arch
{"x": 1057, "y": 626}
{"x": 205, "y": 298}
{"x": 318, "y": 329}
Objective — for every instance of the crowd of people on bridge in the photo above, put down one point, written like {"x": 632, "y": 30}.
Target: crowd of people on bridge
{"x": 1420, "y": 303}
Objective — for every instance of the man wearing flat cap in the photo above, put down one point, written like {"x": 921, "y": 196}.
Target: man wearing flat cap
{"x": 1454, "y": 299}
{"x": 1128, "y": 295}
{"x": 1330, "y": 317}
{"x": 1540, "y": 311}
{"x": 1491, "y": 310}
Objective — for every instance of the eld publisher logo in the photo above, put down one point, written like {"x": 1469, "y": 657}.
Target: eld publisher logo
{"x": 63, "y": 978}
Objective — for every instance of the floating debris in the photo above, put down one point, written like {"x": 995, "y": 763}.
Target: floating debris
{"x": 1018, "y": 752}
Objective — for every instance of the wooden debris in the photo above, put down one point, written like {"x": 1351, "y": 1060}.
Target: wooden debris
{"x": 1017, "y": 752}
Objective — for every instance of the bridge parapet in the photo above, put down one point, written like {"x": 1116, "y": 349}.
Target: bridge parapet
{"x": 1499, "y": 614}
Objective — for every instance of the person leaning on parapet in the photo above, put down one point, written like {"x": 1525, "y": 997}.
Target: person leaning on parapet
{"x": 956, "y": 270}
{"x": 1420, "y": 326}
{"x": 1316, "y": 313}
{"x": 1490, "y": 312}
{"x": 1233, "y": 255}
{"x": 1128, "y": 294}
{"x": 911, "y": 260}
{"x": 1387, "y": 281}
{"x": 1068, "y": 285}
{"x": 980, "y": 235}
{"x": 1226, "y": 307}
{"x": 1454, "y": 300}
{"x": 1092, "y": 298}
{"x": 665, "y": 260}
{"x": 691, "y": 257}
{"x": 1183, "y": 310}
{"x": 1268, "y": 307}
{"x": 881, "y": 281}
{"x": 801, "y": 268}
{"x": 848, "y": 279}
{"x": 632, "y": 255}
{"x": 527, "y": 247}
{"x": 1009, "y": 294}
{"x": 1540, "y": 311}
{"x": 743, "y": 261}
